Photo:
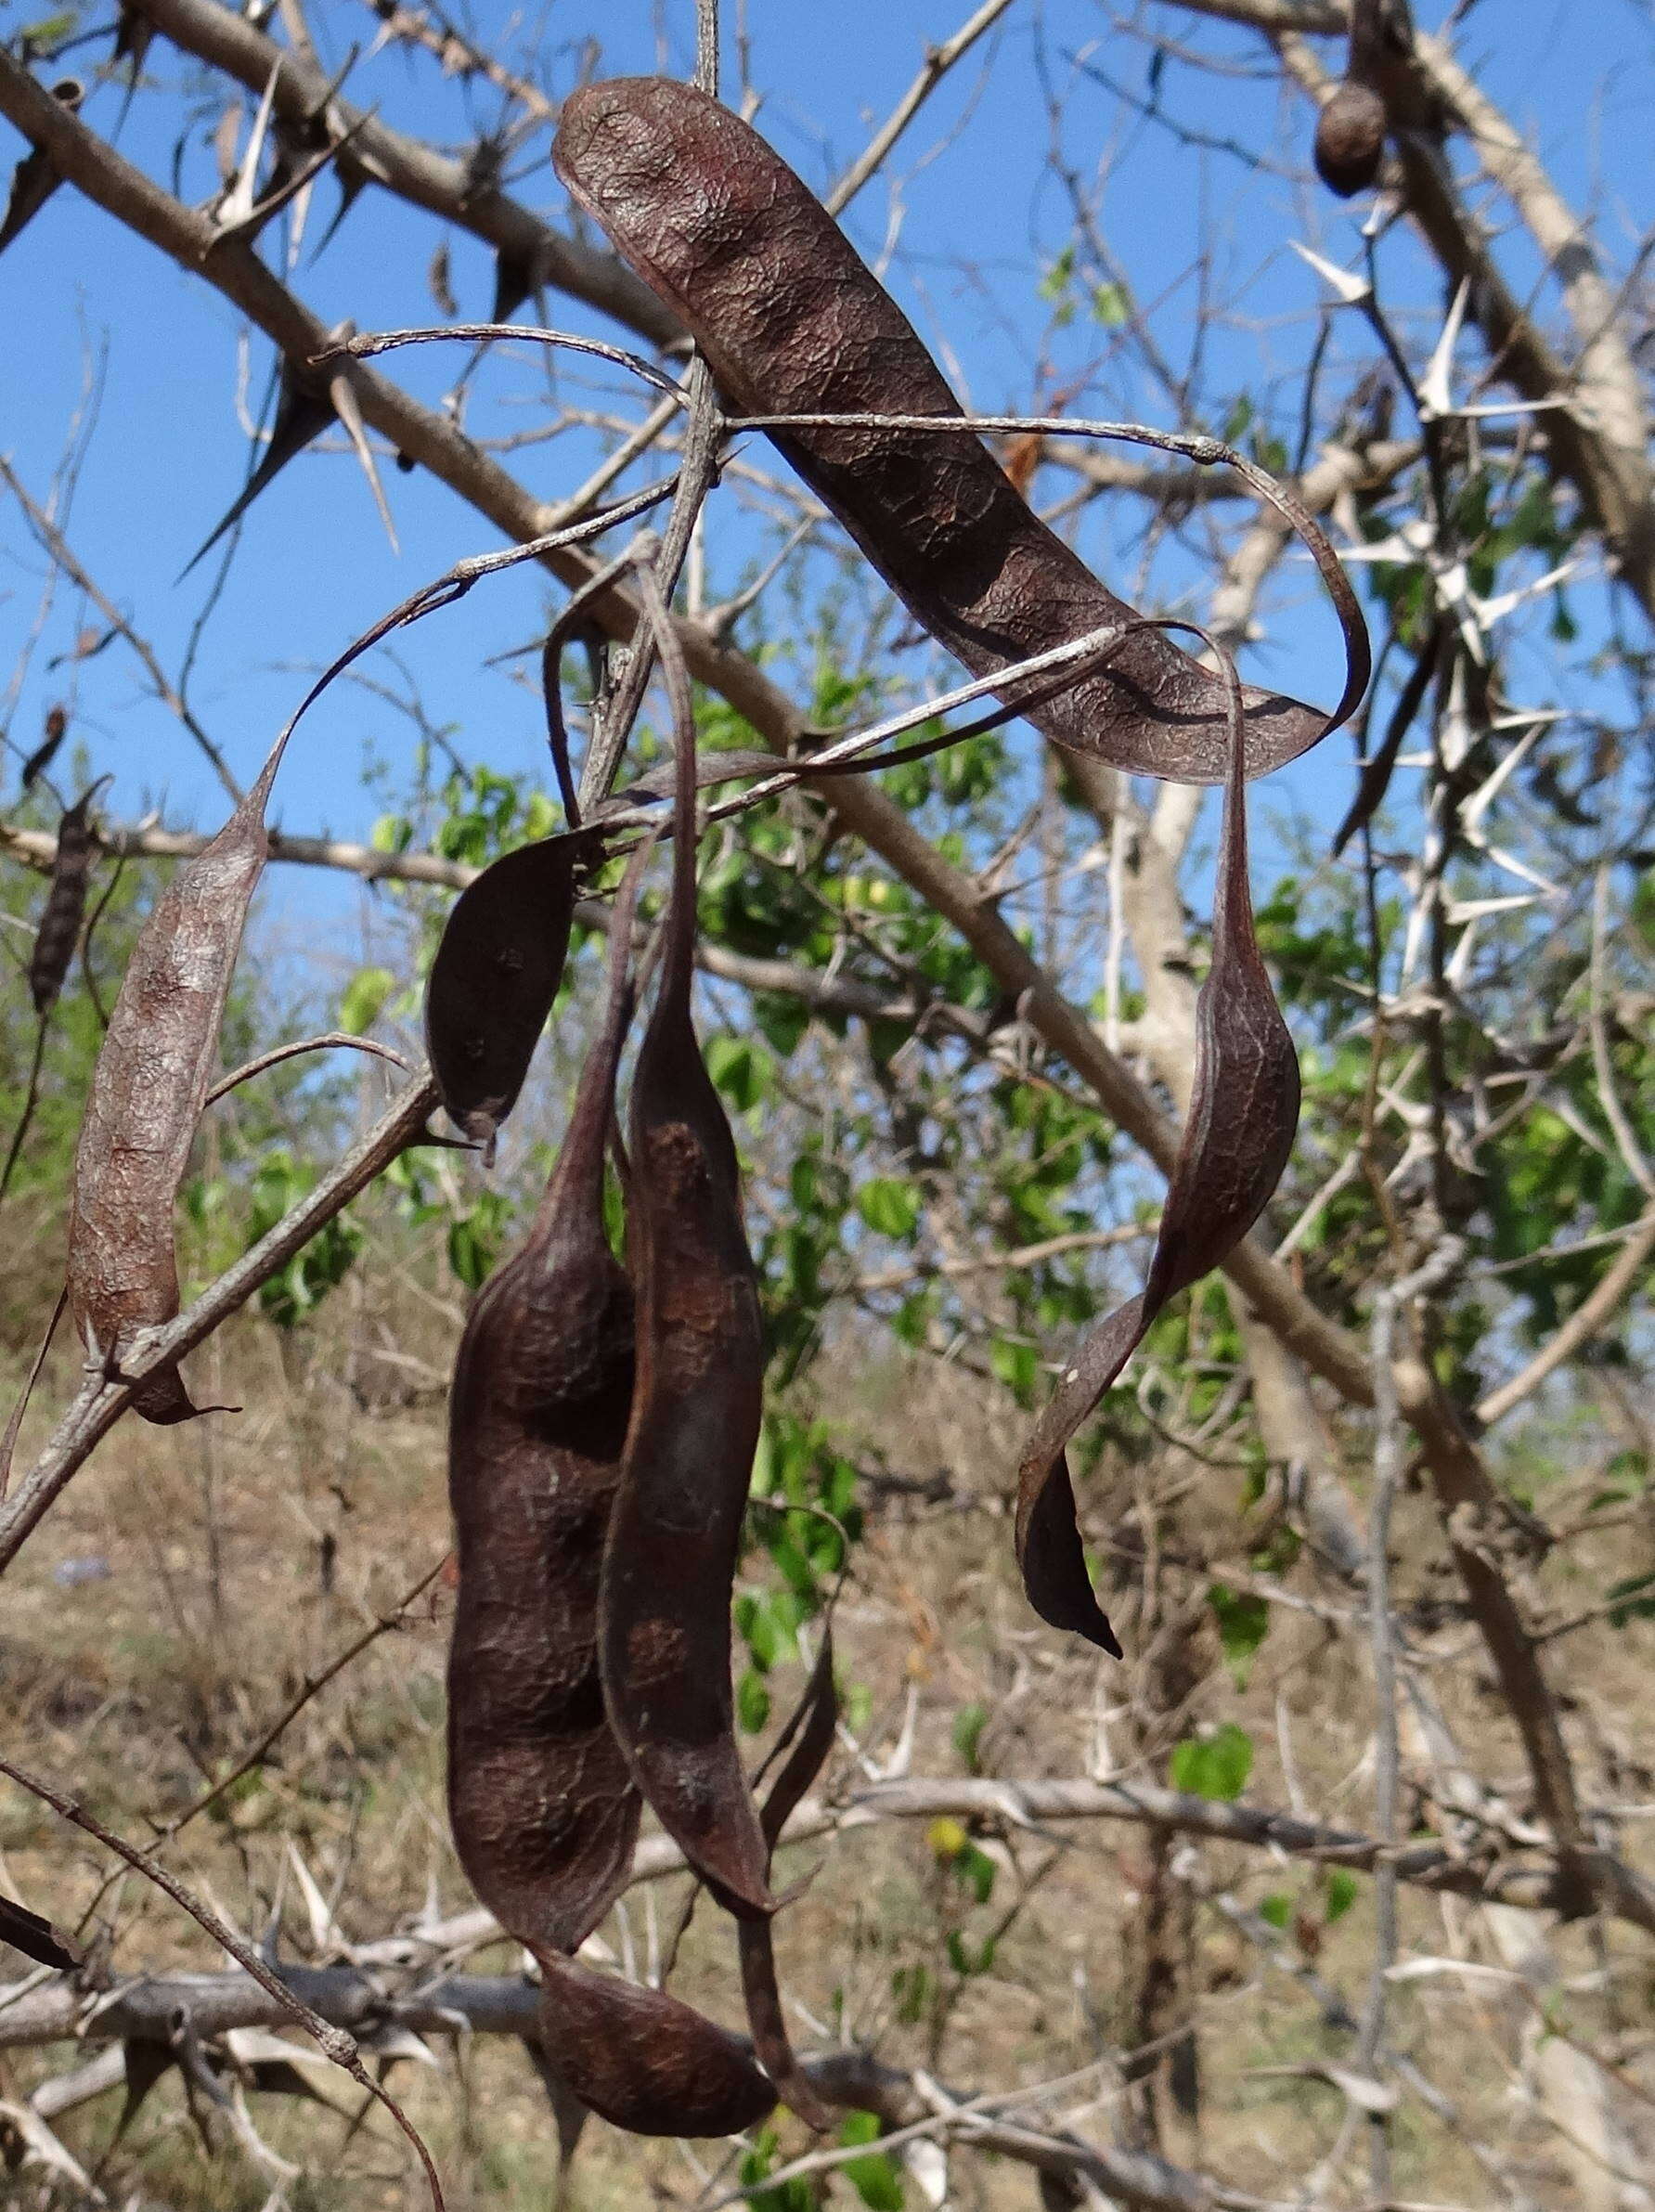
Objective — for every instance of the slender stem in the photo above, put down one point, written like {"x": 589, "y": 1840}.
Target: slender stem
{"x": 335, "y": 2043}
{"x": 103, "y": 1399}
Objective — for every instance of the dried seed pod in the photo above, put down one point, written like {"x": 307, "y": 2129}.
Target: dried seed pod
{"x": 815, "y": 1722}
{"x": 644, "y": 2061}
{"x": 494, "y": 978}
{"x": 1243, "y": 1113}
{"x": 793, "y": 322}
{"x": 45, "y": 752}
{"x": 501, "y": 957}
{"x": 1349, "y": 145}
{"x": 1350, "y": 142}
{"x": 543, "y": 1807}
{"x": 146, "y": 1094}
{"x": 58, "y": 930}
{"x": 670, "y": 1559}
{"x": 542, "y": 1802}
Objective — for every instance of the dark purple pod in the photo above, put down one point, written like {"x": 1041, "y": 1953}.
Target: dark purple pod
{"x": 541, "y": 1801}
{"x": 58, "y": 930}
{"x": 669, "y": 1564}
{"x": 493, "y": 980}
{"x": 792, "y": 321}
{"x": 1244, "y": 1111}
{"x": 645, "y": 2062}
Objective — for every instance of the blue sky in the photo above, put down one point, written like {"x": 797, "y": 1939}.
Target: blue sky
{"x": 981, "y": 220}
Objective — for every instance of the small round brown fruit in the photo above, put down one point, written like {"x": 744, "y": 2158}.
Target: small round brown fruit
{"x": 1350, "y": 139}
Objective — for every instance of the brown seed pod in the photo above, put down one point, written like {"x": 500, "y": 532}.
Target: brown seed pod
{"x": 542, "y": 1803}
{"x": 1351, "y": 139}
{"x": 493, "y": 980}
{"x": 1243, "y": 1113}
{"x": 670, "y": 1559}
{"x": 815, "y": 1722}
{"x": 793, "y": 322}
{"x": 146, "y": 1094}
{"x": 543, "y": 1807}
{"x": 58, "y": 930}
{"x": 644, "y": 2061}
{"x": 1350, "y": 129}
{"x": 501, "y": 959}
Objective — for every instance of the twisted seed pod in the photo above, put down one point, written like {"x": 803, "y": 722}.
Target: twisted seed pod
{"x": 669, "y": 1563}
{"x": 1243, "y": 1110}
{"x": 793, "y": 322}
{"x": 811, "y": 1731}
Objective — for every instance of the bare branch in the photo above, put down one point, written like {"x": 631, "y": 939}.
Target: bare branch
{"x": 406, "y": 166}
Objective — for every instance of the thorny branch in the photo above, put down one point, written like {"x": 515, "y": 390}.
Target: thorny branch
{"x": 1302, "y": 1329}
{"x": 1601, "y": 449}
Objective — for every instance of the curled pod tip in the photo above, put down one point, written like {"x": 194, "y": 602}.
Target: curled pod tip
{"x": 1244, "y": 1111}
{"x": 643, "y": 2059}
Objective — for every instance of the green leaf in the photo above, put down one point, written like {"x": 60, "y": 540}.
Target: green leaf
{"x": 789, "y": 2197}
{"x": 1243, "y": 1624}
{"x": 1110, "y": 305}
{"x": 890, "y": 1207}
{"x": 1339, "y": 1893}
{"x": 1059, "y": 277}
{"x": 1016, "y": 1364}
{"x": 742, "y": 1071}
{"x": 1216, "y": 1765}
{"x": 967, "y": 1960}
{"x": 1277, "y": 1908}
{"x": 975, "y": 1868}
{"x": 50, "y": 32}
{"x": 969, "y": 1723}
{"x": 364, "y": 997}
{"x": 1632, "y": 1600}
{"x": 874, "y": 2177}
{"x": 752, "y": 1702}
{"x": 470, "y": 1250}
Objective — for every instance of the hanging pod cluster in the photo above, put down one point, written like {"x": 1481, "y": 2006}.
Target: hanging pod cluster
{"x": 605, "y": 1414}
{"x": 794, "y": 324}
{"x": 604, "y": 1419}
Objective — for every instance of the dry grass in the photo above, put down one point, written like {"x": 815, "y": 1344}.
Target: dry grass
{"x": 243, "y": 1554}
